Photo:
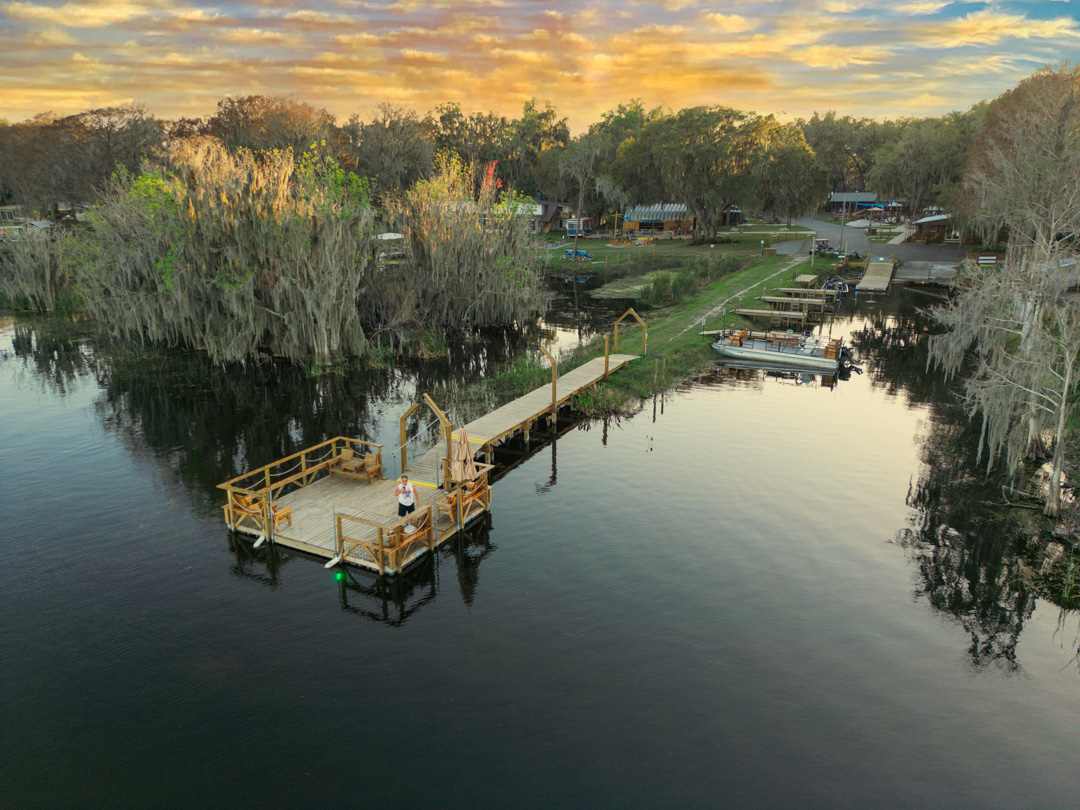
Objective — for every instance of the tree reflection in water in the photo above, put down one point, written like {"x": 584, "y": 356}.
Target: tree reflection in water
{"x": 204, "y": 423}
{"x": 982, "y": 563}
{"x": 987, "y": 567}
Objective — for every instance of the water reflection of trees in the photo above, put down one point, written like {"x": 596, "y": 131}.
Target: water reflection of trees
{"x": 978, "y": 562}
{"x": 204, "y": 423}
{"x": 53, "y": 352}
{"x": 893, "y": 350}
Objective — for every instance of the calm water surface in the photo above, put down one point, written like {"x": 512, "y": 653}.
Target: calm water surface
{"x": 755, "y": 592}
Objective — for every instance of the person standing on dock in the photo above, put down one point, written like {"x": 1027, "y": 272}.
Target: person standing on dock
{"x": 406, "y": 497}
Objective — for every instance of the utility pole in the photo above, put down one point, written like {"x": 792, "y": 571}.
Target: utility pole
{"x": 843, "y": 222}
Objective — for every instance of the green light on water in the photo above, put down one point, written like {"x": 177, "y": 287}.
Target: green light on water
{"x": 339, "y": 576}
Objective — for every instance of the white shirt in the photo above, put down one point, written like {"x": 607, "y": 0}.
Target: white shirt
{"x": 406, "y": 494}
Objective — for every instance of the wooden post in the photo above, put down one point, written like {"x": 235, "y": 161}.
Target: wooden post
{"x": 382, "y": 552}
{"x": 605, "y": 356}
{"x": 616, "y": 340}
{"x": 268, "y": 508}
{"x": 403, "y": 433}
{"x": 554, "y": 384}
{"x": 339, "y": 540}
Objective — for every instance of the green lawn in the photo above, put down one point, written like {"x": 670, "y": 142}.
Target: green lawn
{"x": 676, "y": 350}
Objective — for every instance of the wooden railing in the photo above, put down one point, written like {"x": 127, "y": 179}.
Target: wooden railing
{"x": 389, "y": 546}
{"x": 250, "y": 496}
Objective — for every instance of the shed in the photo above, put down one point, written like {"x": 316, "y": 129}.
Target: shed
{"x": 674, "y": 217}
{"x": 934, "y": 228}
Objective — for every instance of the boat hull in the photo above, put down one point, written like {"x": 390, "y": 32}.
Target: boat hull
{"x": 773, "y": 357}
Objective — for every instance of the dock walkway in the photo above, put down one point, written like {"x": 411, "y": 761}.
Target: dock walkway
{"x": 518, "y": 415}
{"x": 878, "y": 276}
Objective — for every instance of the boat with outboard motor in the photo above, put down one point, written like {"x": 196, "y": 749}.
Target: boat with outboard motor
{"x": 782, "y": 349}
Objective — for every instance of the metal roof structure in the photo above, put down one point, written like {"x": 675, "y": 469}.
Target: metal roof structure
{"x": 656, "y": 213}
{"x": 932, "y": 218}
{"x": 853, "y": 196}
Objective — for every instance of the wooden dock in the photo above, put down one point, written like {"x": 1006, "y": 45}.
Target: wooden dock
{"x": 787, "y": 300}
{"x": 773, "y": 314}
{"x": 517, "y": 416}
{"x": 878, "y": 276}
{"x": 333, "y": 501}
{"x": 806, "y": 292}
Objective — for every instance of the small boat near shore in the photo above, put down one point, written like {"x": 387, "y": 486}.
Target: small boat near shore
{"x": 782, "y": 349}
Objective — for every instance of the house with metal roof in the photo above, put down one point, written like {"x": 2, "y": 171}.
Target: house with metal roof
{"x": 659, "y": 217}
{"x": 852, "y": 200}
{"x": 935, "y": 228}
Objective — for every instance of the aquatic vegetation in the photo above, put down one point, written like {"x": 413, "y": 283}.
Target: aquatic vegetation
{"x": 35, "y": 272}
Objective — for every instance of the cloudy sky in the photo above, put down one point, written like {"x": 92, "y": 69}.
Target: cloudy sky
{"x": 879, "y": 58}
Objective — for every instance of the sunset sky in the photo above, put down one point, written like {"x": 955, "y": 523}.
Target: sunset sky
{"x": 881, "y": 58}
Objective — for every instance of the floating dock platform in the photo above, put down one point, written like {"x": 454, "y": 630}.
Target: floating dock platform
{"x": 332, "y": 500}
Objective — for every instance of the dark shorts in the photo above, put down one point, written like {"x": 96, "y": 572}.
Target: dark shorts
{"x": 403, "y": 510}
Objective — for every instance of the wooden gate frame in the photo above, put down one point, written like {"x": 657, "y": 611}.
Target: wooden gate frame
{"x": 444, "y": 423}
{"x": 632, "y": 313}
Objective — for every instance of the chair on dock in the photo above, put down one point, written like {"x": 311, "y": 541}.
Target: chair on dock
{"x": 408, "y": 534}
{"x": 252, "y": 507}
{"x": 367, "y": 467}
{"x": 473, "y": 497}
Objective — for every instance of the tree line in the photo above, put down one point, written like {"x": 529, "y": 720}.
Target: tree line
{"x": 713, "y": 158}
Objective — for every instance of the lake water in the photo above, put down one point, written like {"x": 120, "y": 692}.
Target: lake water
{"x": 757, "y": 591}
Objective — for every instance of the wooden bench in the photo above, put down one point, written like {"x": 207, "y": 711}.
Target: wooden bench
{"x": 367, "y": 467}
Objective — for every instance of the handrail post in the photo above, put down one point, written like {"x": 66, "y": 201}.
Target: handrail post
{"x": 382, "y": 552}
{"x": 606, "y": 340}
